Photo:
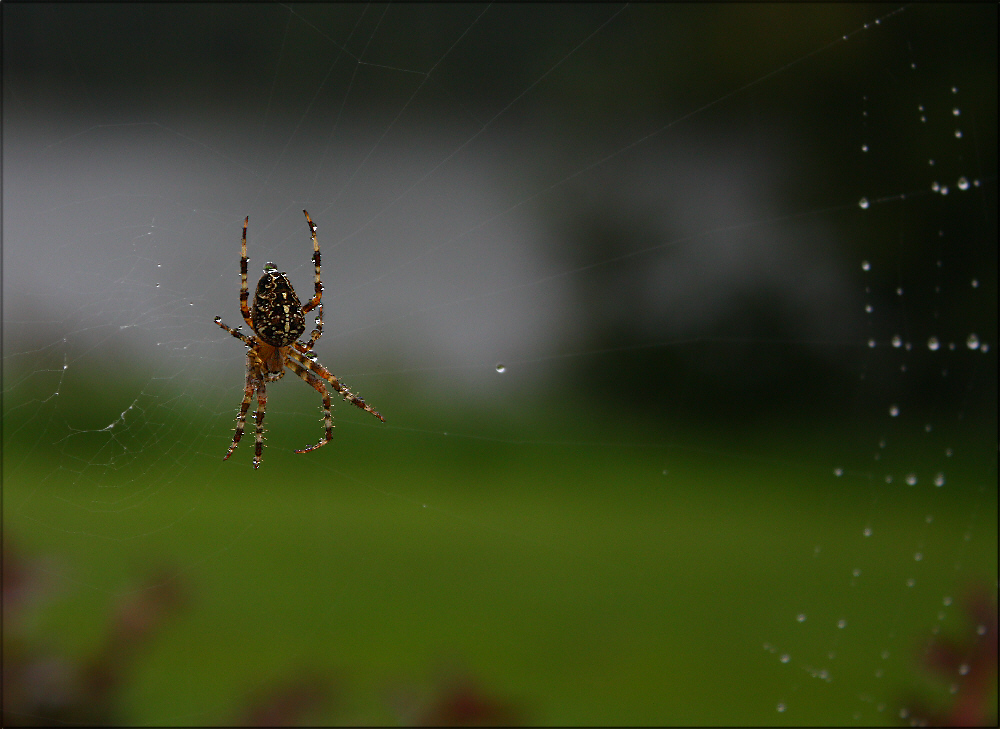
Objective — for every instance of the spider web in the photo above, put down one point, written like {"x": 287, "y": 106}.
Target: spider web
{"x": 682, "y": 319}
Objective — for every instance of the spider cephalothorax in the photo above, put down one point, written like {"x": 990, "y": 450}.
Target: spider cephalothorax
{"x": 278, "y": 319}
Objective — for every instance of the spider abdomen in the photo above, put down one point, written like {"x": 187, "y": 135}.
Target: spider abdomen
{"x": 276, "y": 313}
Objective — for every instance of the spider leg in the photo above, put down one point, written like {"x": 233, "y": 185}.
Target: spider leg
{"x": 318, "y": 385}
{"x": 314, "y": 302}
{"x": 259, "y": 432}
{"x": 297, "y": 353}
{"x": 241, "y": 419}
{"x": 239, "y": 335}
{"x": 244, "y": 291}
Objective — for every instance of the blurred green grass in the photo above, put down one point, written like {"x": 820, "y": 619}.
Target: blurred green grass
{"x": 588, "y": 580}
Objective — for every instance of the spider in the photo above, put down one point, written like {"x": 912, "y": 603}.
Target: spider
{"x": 277, "y": 319}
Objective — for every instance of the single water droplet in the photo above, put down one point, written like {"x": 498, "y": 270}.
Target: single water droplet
{"x": 963, "y": 183}
{"x": 946, "y": 601}
{"x": 911, "y": 479}
{"x": 501, "y": 368}
{"x": 785, "y": 658}
{"x": 869, "y": 308}
{"x": 269, "y": 267}
{"x": 866, "y": 266}
{"x": 781, "y": 707}
{"x": 911, "y": 582}
{"x": 871, "y": 344}
{"x": 894, "y": 410}
{"x": 888, "y": 479}
{"x": 918, "y": 556}
{"x": 963, "y": 669}
{"x": 956, "y": 111}
{"x": 863, "y": 203}
{"x": 841, "y": 623}
{"x": 928, "y": 428}
{"x": 948, "y": 452}
{"x": 980, "y": 630}
{"x": 218, "y": 319}
{"x": 856, "y": 572}
{"x": 933, "y": 344}
{"x": 975, "y": 283}
{"x": 972, "y": 341}
{"x": 157, "y": 285}
{"x": 867, "y": 531}
{"x": 958, "y": 134}
{"x": 939, "y": 480}
{"x": 864, "y": 147}
{"x": 838, "y": 472}
{"x": 935, "y": 186}
{"x": 801, "y": 617}
{"x": 944, "y": 189}
{"x": 930, "y": 162}
{"x": 897, "y": 341}
{"x": 899, "y": 291}
{"x": 954, "y": 89}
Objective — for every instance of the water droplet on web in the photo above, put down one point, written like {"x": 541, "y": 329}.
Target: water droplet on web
{"x": 939, "y": 480}
{"x": 948, "y": 452}
{"x": 897, "y": 341}
{"x": 911, "y": 582}
{"x": 867, "y": 531}
{"x": 871, "y": 344}
{"x": 980, "y": 630}
{"x": 963, "y": 183}
{"x": 781, "y": 708}
{"x": 933, "y": 344}
{"x": 894, "y": 410}
{"x": 269, "y": 267}
{"x": 946, "y": 601}
{"x": 928, "y": 428}
{"x": 869, "y": 308}
{"x": 785, "y": 658}
{"x": 856, "y": 572}
{"x": 801, "y": 617}
{"x": 972, "y": 341}
{"x": 963, "y": 669}
{"x": 501, "y": 368}
{"x": 956, "y": 111}
{"x": 911, "y": 479}
{"x": 864, "y": 147}
{"x": 935, "y": 186}
{"x": 841, "y": 623}
{"x": 865, "y": 266}
{"x": 958, "y": 134}
{"x": 838, "y": 472}
{"x": 218, "y": 319}
{"x": 954, "y": 89}
{"x": 975, "y": 283}
{"x": 899, "y": 291}
{"x": 918, "y": 556}
{"x": 863, "y": 203}
{"x": 888, "y": 479}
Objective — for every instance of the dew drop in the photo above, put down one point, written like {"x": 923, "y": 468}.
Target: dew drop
{"x": 939, "y": 480}
{"x": 975, "y": 283}
{"x": 958, "y": 134}
{"x": 864, "y": 147}
{"x": 954, "y": 89}
{"x": 894, "y": 410}
{"x": 972, "y": 341}
{"x": 963, "y": 183}
{"x": 911, "y": 479}
{"x": 269, "y": 267}
{"x": 946, "y": 601}
{"x": 869, "y": 308}
{"x": 918, "y": 556}
{"x": 888, "y": 479}
{"x": 867, "y": 531}
{"x": 899, "y": 291}
{"x": 781, "y": 708}
{"x": 956, "y": 112}
{"x": 856, "y": 572}
{"x": 871, "y": 344}
{"x": 933, "y": 344}
{"x": 801, "y": 617}
{"x": 838, "y": 472}
{"x": 501, "y": 368}
{"x": 866, "y": 266}
{"x": 911, "y": 582}
{"x": 218, "y": 319}
{"x": 935, "y": 186}
{"x": 785, "y": 658}
{"x": 897, "y": 341}
{"x": 863, "y": 203}
{"x": 841, "y": 623}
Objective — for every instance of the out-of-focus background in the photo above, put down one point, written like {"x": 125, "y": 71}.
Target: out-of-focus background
{"x": 682, "y": 318}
